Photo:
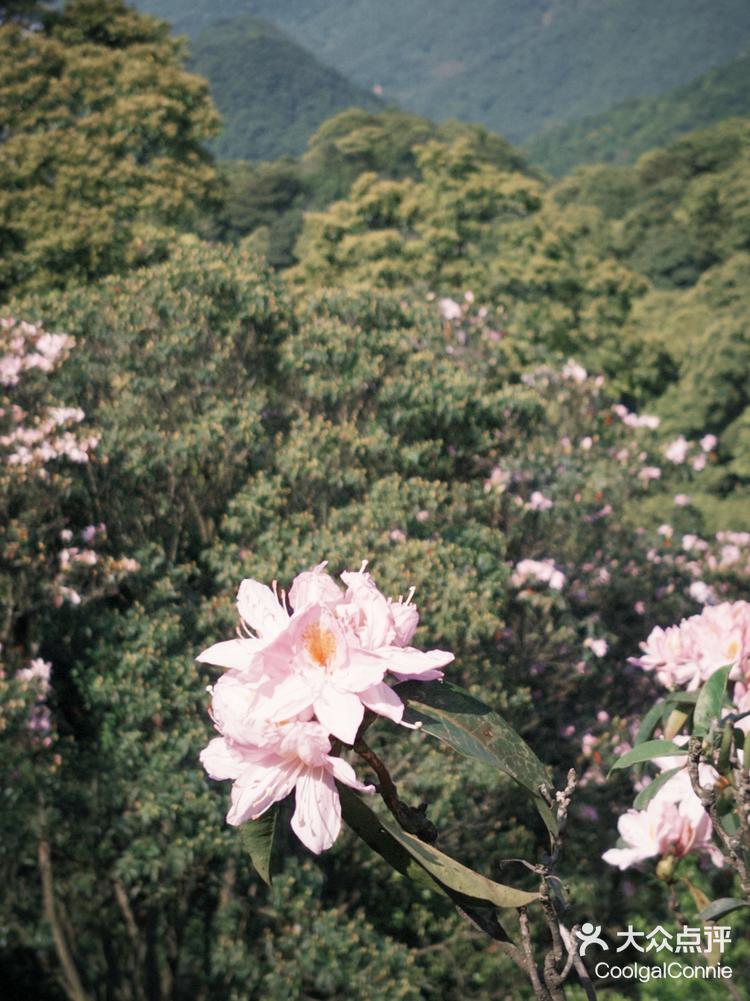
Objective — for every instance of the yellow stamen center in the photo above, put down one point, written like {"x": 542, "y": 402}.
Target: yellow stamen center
{"x": 320, "y": 644}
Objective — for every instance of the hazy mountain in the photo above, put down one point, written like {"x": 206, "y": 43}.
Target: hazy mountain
{"x": 272, "y": 94}
{"x": 517, "y": 66}
{"x": 629, "y": 129}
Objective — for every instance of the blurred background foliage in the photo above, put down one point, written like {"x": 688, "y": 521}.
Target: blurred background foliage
{"x": 360, "y": 353}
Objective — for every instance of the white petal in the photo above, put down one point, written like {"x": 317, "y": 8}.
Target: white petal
{"x": 408, "y": 662}
{"x": 260, "y": 609}
{"x": 235, "y": 654}
{"x": 363, "y": 670}
{"x": 260, "y": 786}
{"x": 383, "y": 701}
{"x": 339, "y": 712}
{"x": 317, "y": 815}
{"x": 344, "y": 772}
{"x": 222, "y": 760}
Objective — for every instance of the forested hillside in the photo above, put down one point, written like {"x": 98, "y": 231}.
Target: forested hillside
{"x": 272, "y": 94}
{"x": 525, "y": 402}
{"x": 621, "y": 134}
{"x": 515, "y": 66}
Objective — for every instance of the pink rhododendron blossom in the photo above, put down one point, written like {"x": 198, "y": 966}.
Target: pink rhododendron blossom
{"x": 294, "y": 756}
{"x": 450, "y": 309}
{"x": 305, "y": 666}
{"x": 573, "y": 371}
{"x": 677, "y": 450}
{"x": 674, "y": 823}
{"x": 543, "y": 571}
{"x": 688, "y": 654}
{"x": 538, "y": 502}
{"x": 598, "y": 647}
{"x": 709, "y": 442}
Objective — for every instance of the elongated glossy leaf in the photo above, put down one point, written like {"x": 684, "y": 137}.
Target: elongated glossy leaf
{"x": 474, "y": 730}
{"x": 710, "y": 699}
{"x": 257, "y": 839}
{"x": 724, "y": 905}
{"x": 647, "y": 751}
{"x": 649, "y": 723}
{"x": 646, "y": 795}
{"x": 405, "y": 852}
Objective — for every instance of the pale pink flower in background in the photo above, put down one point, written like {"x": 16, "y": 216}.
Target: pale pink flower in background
{"x": 469, "y": 296}
{"x": 709, "y": 442}
{"x": 450, "y": 309}
{"x": 666, "y": 531}
{"x": 598, "y": 647}
{"x": 677, "y": 450}
{"x": 681, "y": 500}
{"x": 586, "y": 443}
{"x": 297, "y": 759}
{"x": 649, "y": 473}
{"x": 572, "y": 370}
{"x": 699, "y": 463}
{"x": 703, "y": 593}
{"x": 538, "y": 502}
{"x": 543, "y": 571}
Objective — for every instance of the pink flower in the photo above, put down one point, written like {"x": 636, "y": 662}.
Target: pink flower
{"x": 688, "y": 654}
{"x": 677, "y": 450}
{"x": 709, "y": 442}
{"x": 330, "y": 655}
{"x": 674, "y": 823}
{"x": 450, "y": 309}
{"x": 295, "y": 756}
{"x": 541, "y": 570}
{"x": 597, "y": 647}
{"x": 538, "y": 502}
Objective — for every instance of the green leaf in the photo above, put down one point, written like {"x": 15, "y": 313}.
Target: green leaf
{"x": 683, "y": 698}
{"x": 257, "y": 839}
{"x": 710, "y": 700}
{"x": 649, "y": 722}
{"x": 408, "y": 854}
{"x": 646, "y": 752}
{"x": 474, "y": 730}
{"x": 646, "y": 795}
{"x": 724, "y": 905}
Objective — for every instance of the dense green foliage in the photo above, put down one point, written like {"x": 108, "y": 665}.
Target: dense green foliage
{"x": 344, "y": 425}
{"x": 249, "y": 418}
{"x": 515, "y": 66}
{"x": 629, "y": 129}
{"x": 271, "y": 92}
{"x": 101, "y": 162}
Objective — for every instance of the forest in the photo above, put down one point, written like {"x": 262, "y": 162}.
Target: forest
{"x": 522, "y": 399}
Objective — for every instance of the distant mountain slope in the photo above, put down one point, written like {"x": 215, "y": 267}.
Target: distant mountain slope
{"x": 272, "y": 94}
{"x": 623, "y": 133}
{"x": 517, "y": 66}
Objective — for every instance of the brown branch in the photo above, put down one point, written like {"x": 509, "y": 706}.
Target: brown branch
{"x": 71, "y": 981}
{"x": 412, "y": 819}
{"x": 731, "y": 844}
{"x": 539, "y": 989}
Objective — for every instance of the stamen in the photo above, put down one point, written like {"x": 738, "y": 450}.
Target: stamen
{"x": 364, "y": 566}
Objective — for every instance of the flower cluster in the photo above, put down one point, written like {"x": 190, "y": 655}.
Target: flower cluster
{"x": 673, "y": 824}
{"x": 303, "y": 670}
{"x": 688, "y": 654}
{"x": 542, "y": 571}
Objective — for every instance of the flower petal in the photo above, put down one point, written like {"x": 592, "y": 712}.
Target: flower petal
{"x": 383, "y": 701}
{"x": 260, "y": 609}
{"x": 222, "y": 760}
{"x": 259, "y": 786}
{"x": 238, "y": 655}
{"x": 344, "y": 772}
{"x": 317, "y": 815}
{"x": 409, "y": 663}
{"x": 339, "y": 712}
